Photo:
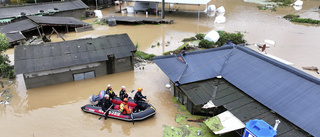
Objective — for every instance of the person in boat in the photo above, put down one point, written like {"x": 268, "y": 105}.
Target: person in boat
{"x": 124, "y": 107}
{"x": 98, "y": 98}
{"x": 105, "y": 105}
{"x": 139, "y": 99}
{"x": 123, "y": 93}
{"x": 110, "y": 92}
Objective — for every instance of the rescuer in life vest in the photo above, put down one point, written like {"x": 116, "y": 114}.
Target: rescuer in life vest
{"x": 139, "y": 99}
{"x": 106, "y": 105}
{"x": 110, "y": 92}
{"x": 123, "y": 93}
{"x": 124, "y": 107}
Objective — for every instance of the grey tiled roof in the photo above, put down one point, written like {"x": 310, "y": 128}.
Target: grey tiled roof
{"x": 51, "y": 56}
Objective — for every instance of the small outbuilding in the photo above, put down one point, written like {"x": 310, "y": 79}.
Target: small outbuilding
{"x": 73, "y": 8}
{"x": 59, "y": 62}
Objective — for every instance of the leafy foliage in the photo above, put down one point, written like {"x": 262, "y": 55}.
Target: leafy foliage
{"x": 206, "y": 44}
{"x": 99, "y": 22}
{"x": 185, "y": 46}
{"x": 200, "y": 36}
{"x": 189, "y": 39}
{"x": 236, "y": 38}
{"x": 290, "y": 16}
{"x": 5, "y": 69}
{"x": 308, "y": 20}
{"x": 144, "y": 55}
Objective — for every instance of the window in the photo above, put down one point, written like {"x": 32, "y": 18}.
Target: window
{"x": 85, "y": 75}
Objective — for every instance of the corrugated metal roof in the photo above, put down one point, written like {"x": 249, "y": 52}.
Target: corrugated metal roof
{"x": 13, "y": 30}
{"x": 18, "y": 26}
{"x": 14, "y": 36}
{"x": 34, "y": 9}
{"x": 57, "y": 20}
{"x": 69, "y": 53}
{"x": 197, "y": 66}
{"x": 289, "y": 92}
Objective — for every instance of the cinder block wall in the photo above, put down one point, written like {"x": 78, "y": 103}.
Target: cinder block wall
{"x": 52, "y": 79}
{"x": 123, "y": 64}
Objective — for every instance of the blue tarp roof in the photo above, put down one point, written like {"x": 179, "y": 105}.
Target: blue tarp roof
{"x": 291, "y": 93}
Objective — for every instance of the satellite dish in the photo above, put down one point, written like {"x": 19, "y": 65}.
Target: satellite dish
{"x": 23, "y": 14}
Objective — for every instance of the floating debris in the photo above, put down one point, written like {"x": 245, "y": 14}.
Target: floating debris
{"x": 312, "y": 68}
{"x": 3, "y": 92}
{"x": 1, "y": 84}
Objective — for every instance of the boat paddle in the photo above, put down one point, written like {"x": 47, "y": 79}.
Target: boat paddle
{"x": 132, "y": 91}
{"x": 132, "y": 118}
{"x": 104, "y": 114}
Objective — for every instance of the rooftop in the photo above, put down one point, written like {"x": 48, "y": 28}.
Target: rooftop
{"x": 289, "y": 92}
{"x": 13, "y": 12}
{"x": 56, "y": 55}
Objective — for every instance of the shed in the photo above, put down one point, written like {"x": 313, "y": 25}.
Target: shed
{"x": 59, "y": 62}
{"x": 279, "y": 88}
{"x": 73, "y": 8}
{"x": 14, "y": 31}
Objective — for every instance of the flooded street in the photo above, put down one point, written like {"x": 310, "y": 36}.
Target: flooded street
{"x": 55, "y": 110}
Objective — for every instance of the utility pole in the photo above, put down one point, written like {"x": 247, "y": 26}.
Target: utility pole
{"x": 96, "y": 4}
{"x": 162, "y": 9}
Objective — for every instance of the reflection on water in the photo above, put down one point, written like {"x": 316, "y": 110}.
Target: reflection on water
{"x": 55, "y": 110}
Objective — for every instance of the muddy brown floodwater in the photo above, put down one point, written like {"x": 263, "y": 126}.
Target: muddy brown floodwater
{"x": 55, "y": 110}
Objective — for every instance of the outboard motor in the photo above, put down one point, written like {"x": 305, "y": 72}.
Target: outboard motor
{"x": 95, "y": 99}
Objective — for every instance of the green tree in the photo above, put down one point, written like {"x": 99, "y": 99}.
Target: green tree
{"x": 5, "y": 69}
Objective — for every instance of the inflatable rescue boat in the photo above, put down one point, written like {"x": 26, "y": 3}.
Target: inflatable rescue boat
{"x": 146, "y": 111}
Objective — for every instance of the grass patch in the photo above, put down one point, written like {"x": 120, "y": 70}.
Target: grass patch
{"x": 295, "y": 18}
{"x": 189, "y": 39}
{"x": 185, "y": 47}
{"x": 144, "y": 55}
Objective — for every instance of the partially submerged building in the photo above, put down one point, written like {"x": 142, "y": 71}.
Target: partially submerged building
{"x": 73, "y": 8}
{"x": 248, "y": 84}
{"x": 36, "y": 25}
{"x": 60, "y": 62}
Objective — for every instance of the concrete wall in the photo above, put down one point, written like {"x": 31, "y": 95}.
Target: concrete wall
{"x": 123, "y": 64}
{"x": 60, "y": 76}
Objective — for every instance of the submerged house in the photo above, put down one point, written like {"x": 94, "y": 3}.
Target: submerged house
{"x": 73, "y": 8}
{"x": 53, "y": 63}
{"x": 37, "y": 25}
{"x": 248, "y": 84}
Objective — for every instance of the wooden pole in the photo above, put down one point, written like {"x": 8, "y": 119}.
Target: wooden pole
{"x": 58, "y": 34}
{"x": 162, "y": 9}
